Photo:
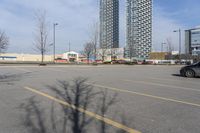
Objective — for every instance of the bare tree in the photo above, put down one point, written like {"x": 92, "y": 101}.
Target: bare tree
{"x": 41, "y": 36}
{"x": 170, "y": 48}
{"x": 102, "y": 53}
{"x": 88, "y": 50}
{"x": 169, "y": 45}
{"x": 95, "y": 38}
{"x": 4, "y": 41}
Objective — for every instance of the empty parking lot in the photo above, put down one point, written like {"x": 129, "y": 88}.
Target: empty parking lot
{"x": 149, "y": 99}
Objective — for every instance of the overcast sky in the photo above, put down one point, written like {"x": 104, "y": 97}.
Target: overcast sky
{"x": 75, "y": 18}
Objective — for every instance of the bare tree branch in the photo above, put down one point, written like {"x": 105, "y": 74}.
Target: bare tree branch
{"x": 88, "y": 50}
{"x": 95, "y": 37}
{"x": 170, "y": 47}
{"x": 102, "y": 53}
{"x": 4, "y": 41}
{"x": 41, "y": 36}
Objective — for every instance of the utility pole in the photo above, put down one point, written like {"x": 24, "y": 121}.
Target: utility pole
{"x": 54, "y": 41}
{"x": 69, "y": 46}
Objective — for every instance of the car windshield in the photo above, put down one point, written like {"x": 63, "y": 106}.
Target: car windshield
{"x": 197, "y": 63}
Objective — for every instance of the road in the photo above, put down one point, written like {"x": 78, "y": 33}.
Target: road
{"x": 150, "y": 99}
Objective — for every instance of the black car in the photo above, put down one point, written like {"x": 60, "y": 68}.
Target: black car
{"x": 191, "y": 70}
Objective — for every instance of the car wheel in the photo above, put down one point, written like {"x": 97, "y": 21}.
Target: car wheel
{"x": 189, "y": 73}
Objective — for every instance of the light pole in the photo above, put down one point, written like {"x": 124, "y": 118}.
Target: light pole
{"x": 179, "y": 31}
{"x": 54, "y": 41}
{"x": 162, "y": 44}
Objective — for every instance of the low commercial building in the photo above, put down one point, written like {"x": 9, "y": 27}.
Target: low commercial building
{"x": 67, "y": 57}
{"x": 24, "y": 57}
{"x": 192, "y": 41}
{"x": 71, "y": 56}
{"x": 110, "y": 54}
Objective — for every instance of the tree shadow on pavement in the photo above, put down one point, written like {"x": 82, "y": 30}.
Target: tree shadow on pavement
{"x": 70, "y": 117}
{"x": 105, "y": 102}
{"x": 80, "y": 95}
{"x": 11, "y": 78}
{"x": 34, "y": 119}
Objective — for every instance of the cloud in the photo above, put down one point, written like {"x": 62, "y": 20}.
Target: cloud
{"x": 74, "y": 18}
{"x": 197, "y": 26}
{"x": 163, "y": 27}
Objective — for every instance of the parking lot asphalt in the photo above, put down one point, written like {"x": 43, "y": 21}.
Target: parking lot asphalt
{"x": 151, "y": 99}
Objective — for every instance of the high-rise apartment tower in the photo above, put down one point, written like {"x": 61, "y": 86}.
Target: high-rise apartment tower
{"x": 109, "y": 23}
{"x": 138, "y": 28}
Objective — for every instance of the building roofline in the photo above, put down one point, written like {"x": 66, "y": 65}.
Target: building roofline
{"x": 197, "y": 28}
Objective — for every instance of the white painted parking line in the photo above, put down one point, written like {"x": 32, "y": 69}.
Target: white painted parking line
{"x": 146, "y": 95}
{"x": 163, "y": 85}
{"x": 182, "y": 79}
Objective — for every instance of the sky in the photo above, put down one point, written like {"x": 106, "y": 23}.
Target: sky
{"x": 76, "y": 17}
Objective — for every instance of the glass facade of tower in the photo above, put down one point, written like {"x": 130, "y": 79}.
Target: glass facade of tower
{"x": 138, "y": 28}
{"x": 192, "y": 41}
{"x": 109, "y": 23}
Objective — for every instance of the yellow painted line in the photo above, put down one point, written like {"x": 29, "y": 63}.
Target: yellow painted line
{"x": 163, "y": 85}
{"x": 91, "y": 114}
{"x": 146, "y": 95}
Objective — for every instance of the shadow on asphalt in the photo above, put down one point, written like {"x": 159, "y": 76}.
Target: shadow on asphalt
{"x": 34, "y": 117}
{"x": 65, "y": 119}
{"x": 178, "y": 75}
{"x": 10, "y": 78}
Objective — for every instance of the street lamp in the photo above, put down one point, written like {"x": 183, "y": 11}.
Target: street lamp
{"x": 54, "y": 41}
{"x": 179, "y": 31}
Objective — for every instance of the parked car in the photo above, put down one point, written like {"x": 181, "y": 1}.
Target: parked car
{"x": 191, "y": 70}
{"x": 120, "y": 61}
